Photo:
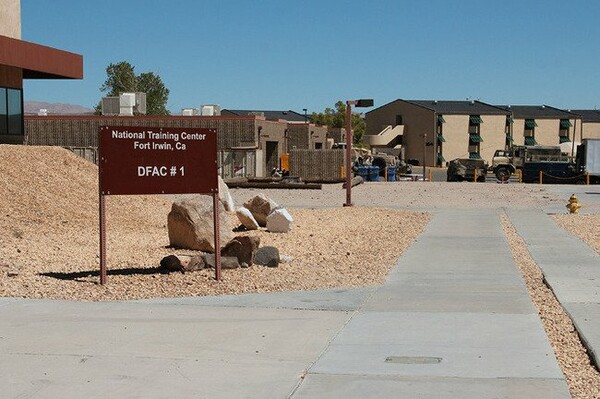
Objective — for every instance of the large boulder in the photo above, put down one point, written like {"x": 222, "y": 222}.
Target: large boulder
{"x": 279, "y": 221}
{"x": 225, "y": 196}
{"x": 190, "y": 225}
{"x": 246, "y": 219}
{"x": 260, "y": 207}
{"x": 243, "y": 248}
{"x": 267, "y": 256}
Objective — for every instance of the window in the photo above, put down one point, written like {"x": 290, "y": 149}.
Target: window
{"x": 508, "y": 131}
{"x": 3, "y": 112}
{"x": 563, "y": 131}
{"x": 11, "y": 111}
{"x": 399, "y": 120}
{"x": 474, "y": 136}
{"x": 530, "y": 140}
{"x": 529, "y": 132}
{"x": 15, "y": 112}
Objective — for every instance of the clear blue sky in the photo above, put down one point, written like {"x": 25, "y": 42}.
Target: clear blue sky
{"x": 278, "y": 54}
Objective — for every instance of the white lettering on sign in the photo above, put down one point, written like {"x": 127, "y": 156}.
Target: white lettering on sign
{"x": 160, "y": 171}
{"x": 117, "y": 134}
{"x": 152, "y": 171}
{"x": 162, "y": 146}
{"x": 180, "y": 146}
{"x": 193, "y": 136}
{"x": 141, "y": 146}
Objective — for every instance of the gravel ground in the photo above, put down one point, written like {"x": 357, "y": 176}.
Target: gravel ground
{"x": 586, "y": 227}
{"x": 582, "y": 378}
{"x": 49, "y": 204}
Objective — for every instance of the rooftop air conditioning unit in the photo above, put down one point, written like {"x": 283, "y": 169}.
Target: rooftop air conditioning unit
{"x": 210, "y": 110}
{"x": 110, "y": 106}
{"x": 189, "y": 111}
{"x": 140, "y": 103}
{"x": 126, "y": 104}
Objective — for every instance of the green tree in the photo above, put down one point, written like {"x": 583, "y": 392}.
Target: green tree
{"x": 121, "y": 77}
{"x": 336, "y": 117}
{"x": 157, "y": 94}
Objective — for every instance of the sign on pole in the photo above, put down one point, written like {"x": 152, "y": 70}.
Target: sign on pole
{"x": 145, "y": 160}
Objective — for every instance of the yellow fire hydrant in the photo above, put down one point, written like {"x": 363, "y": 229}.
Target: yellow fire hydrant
{"x": 573, "y": 205}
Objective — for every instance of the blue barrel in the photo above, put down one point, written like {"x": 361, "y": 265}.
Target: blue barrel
{"x": 373, "y": 173}
{"x": 391, "y": 172}
{"x": 363, "y": 171}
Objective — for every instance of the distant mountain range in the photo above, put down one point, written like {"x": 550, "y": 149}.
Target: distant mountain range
{"x": 33, "y": 107}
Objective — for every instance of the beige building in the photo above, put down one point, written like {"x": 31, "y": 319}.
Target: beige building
{"x": 590, "y": 124}
{"x": 24, "y": 60}
{"x": 10, "y": 18}
{"x": 435, "y": 132}
{"x": 542, "y": 124}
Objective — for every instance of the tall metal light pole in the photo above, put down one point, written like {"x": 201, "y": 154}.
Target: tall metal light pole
{"x": 357, "y": 103}
{"x": 424, "y": 153}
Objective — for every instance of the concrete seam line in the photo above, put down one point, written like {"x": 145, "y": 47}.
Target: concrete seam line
{"x": 306, "y": 372}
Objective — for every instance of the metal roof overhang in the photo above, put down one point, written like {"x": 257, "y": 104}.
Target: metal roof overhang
{"x": 40, "y": 62}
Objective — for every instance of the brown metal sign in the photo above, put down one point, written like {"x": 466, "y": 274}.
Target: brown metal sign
{"x": 146, "y": 160}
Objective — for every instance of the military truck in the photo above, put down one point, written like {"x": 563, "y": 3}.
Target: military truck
{"x": 506, "y": 162}
{"x": 460, "y": 169}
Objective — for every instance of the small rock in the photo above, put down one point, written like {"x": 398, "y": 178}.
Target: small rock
{"x": 246, "y": 218}
{"x": 227, "y": 262}
{"x": 279, "y": 221}
{"x": 225, "y": 196}
{"x": 285, "y": 259}
{"x": 181, "y": 263}
{"x": 243, "y": 248}
{"x": 267, "y": 256}
{"x": 260, "y": 207}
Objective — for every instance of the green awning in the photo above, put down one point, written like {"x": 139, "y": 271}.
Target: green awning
{"x": 530, "y": 141}
{"x": 441, "y": 159}
{"x": 565, "y": 124}
{"x": 475, "y": 138}
{"x": 441, "y": 138}
{"x": 474, "y": 155}
{"x": 475, "y": 119}
{"x": 509, "y": 120}
{"x": 530, "y": 123}
{"x": 564, "y": 139}
{"x": 441, "y": 119}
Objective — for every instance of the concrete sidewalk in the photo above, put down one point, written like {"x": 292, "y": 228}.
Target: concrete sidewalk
{"x": 453, "y": 320}
{"x": 571, "y": 268}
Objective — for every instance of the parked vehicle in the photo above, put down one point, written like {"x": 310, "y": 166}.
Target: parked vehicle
{"x": 460, "y": 169}
{"x": 552, "y": 173}
{"x": 588, "y": 159}
{"x": 506, "y": 162}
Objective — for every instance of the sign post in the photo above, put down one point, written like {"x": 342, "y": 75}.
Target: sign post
{"x": 146, "y": 160}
